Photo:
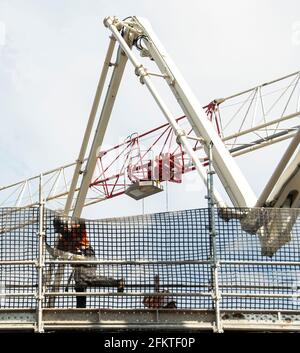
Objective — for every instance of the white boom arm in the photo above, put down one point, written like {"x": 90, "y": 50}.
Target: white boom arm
{"x": 282, "y": 189}
{"x": 127, "y": 33}
{"x": 116, "y": 77}
{"x": 229, "y": 173}
{"x": 89, "y": 127}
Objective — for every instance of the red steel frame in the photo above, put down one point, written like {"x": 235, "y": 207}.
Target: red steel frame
{"x": 112, "y": 169}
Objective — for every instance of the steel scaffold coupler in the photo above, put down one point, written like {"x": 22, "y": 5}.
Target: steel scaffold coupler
{"x": 111, "y": 21}
{"x": 179, "y": 134}
{"x": 141, "y": 72}
{"x": 216, "y": 297}
{"x": 38, "y": 329}
{"x": 217, "y": 329}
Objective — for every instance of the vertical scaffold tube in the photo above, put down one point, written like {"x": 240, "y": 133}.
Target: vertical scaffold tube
{"x": 213, "y": 246}
{"x": 40, "y": 260}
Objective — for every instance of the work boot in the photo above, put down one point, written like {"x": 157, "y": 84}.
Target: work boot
{"x": 171, "y": 305}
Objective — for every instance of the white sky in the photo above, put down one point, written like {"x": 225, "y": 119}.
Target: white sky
{"x": 51, "y": 53}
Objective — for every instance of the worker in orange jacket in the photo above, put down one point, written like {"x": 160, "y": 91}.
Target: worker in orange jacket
{"x": 73, "y": 238}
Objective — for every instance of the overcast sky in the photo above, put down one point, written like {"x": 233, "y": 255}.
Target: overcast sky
{"x": 51, "y": 54}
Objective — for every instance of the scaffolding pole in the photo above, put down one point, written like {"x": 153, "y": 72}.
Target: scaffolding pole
{"x": 215, "y": 264}
{"x": 41, "y": 259}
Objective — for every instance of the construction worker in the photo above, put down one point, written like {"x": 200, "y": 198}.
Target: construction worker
{"x": 73, "y": 239}
{"x": 159, "y": 301}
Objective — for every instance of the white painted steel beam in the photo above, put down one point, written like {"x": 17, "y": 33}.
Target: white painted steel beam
{"x": 229, "y": 173}
{"x": 100, "y": 131}
{"x": 278, "y": 173}
{"x": 90, "y": 124}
